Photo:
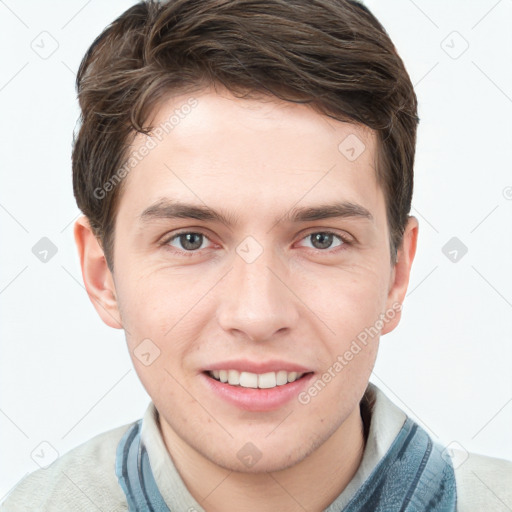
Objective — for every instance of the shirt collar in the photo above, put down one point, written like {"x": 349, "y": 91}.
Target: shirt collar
{"x": 386, "y": 420}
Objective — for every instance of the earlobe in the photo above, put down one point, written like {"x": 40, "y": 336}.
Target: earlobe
{"x": 98, "y": 279}
{"x": 402, "y": 271}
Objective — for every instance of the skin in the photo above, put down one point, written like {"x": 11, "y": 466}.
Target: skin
{"x": 301, "y": 302}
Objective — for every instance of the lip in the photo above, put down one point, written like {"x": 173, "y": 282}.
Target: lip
{"x": 256, "y": 399}
{"x": 244, "y": 365}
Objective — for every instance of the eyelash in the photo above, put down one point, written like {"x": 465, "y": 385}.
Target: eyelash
{"x": 345, "y": 241}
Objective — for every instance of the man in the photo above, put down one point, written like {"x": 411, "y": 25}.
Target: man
{"x": 245, "y": 172}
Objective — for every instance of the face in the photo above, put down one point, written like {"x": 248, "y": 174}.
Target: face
{"x": 252, "y": 244}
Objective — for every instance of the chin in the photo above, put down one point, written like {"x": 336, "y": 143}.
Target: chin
{"x": 266, "y": 464}
{"x": 262, "y": 456}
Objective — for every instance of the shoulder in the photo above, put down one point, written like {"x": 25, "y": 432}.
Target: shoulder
{"x": 483, "y": 483}
{"x": 82, "y": 479}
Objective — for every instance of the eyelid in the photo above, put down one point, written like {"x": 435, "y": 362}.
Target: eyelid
{"x": 170, "y": 237}
{"x": 344, "y": 236}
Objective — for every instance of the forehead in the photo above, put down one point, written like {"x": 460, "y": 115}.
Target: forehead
{"x": 213, "y": 148}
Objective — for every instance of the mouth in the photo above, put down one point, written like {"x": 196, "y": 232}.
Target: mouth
{"x": 267, "y": 380}
{"x": 264, "y": 391}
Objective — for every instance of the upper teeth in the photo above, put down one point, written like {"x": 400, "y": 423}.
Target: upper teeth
{"x": 255, "y": 380}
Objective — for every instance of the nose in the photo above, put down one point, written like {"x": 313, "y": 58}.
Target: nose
{"x": 257, "y": 303}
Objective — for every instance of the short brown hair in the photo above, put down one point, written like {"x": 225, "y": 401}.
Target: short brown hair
{"x": 331, "y": 54}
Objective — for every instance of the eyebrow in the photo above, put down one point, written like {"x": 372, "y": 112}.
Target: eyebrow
{"x": 167, "y": 209}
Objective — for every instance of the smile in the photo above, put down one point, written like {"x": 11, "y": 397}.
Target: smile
{"x": 256, "y": 386}
{"x": 255, "y": 380}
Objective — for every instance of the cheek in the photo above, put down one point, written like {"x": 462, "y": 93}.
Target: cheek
{"x": 346, "y": 299}
{"x": 156, "y": 336}
{"x": 150, "y": 303}
{"x": 167, "y": 312}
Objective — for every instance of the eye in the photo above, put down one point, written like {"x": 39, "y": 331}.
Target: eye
{"x": 322, "y": 240}
{"x": 192, "y": 241}
{"x": 188, "y": 241}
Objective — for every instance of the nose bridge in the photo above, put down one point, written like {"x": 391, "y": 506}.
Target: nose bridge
{"x": 255, "y": 301}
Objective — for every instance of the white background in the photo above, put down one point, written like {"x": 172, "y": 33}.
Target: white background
{"x": 64, "y": 376}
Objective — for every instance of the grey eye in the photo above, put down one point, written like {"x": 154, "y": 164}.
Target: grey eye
{"x": 323, "y": 240}
{"x": 188, "y": 241}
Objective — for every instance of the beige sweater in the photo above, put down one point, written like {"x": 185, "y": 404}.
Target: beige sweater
{"x": 84, "y": 479}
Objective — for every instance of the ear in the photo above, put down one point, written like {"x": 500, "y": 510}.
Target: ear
{"x": 97, "y": 277}
{"x": 401, "y": 272}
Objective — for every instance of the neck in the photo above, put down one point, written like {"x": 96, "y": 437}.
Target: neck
{"x": 312, "y": 484}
